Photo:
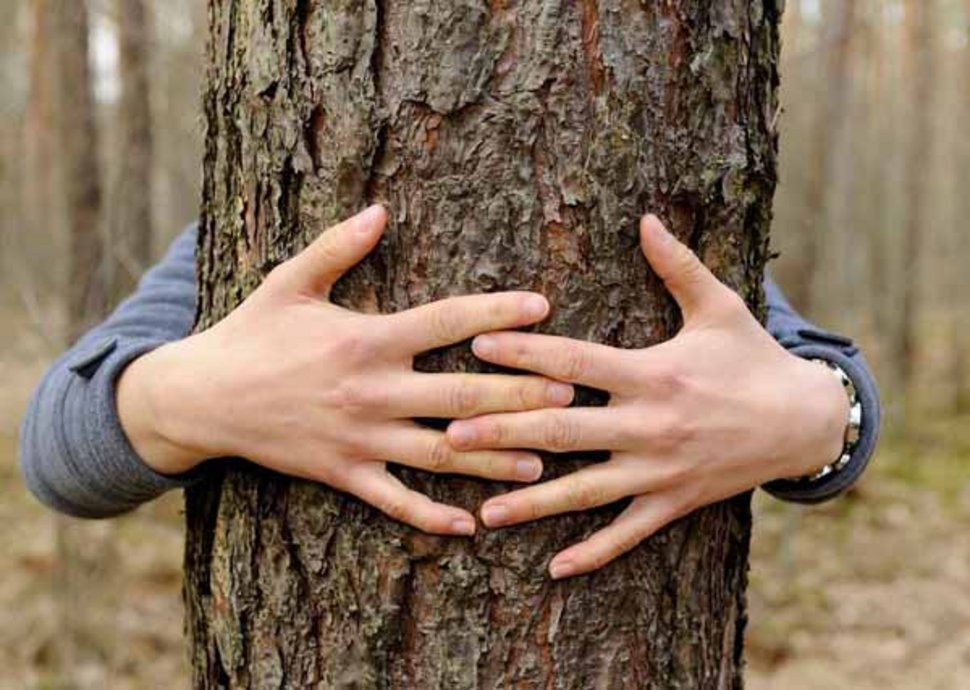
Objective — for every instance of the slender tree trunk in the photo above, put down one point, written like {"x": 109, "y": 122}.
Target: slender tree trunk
{"x": 881, "y": 124}
{"x": 921, "y": 67}
{"x": 132, "y": 222}
{"x": 41, "y": 200}
{"x": 515, "y": 143}
{"x": 77, "y": 157}
{"x": 11, "y": 146}
{"x": 841, "y": 269}
{"x": 829, "y": 135}
{"x": 65, "y": 203}
{"x": 959, "y": 284}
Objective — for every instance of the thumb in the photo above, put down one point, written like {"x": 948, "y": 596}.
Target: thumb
{"x": 689, "y": 281}
{"x": 335, "y": 251}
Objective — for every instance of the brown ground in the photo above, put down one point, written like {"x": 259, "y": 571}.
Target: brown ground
{"x": 870, "y": 592}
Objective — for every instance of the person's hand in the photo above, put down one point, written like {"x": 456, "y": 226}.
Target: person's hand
{"x": 301, "y": 386}
{"x": 717, "y": 410}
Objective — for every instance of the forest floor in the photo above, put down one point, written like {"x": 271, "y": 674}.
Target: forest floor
{"x": 872, "y": 591}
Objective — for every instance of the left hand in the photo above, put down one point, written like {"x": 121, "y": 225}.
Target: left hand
{"x": 719, "y": 409}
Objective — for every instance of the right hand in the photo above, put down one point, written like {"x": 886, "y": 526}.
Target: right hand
{"x": 301, "y": 386}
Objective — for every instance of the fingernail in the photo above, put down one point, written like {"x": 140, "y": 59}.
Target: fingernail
{"x": 368, "y": 217}
{"x": 661, "y": 230}
{"x": 463, "y": 526}
{"x": 461, "y": 434}
{"x": 494, "y": 514}
{"x": 561, "y": 569}
{"x": 535, "y": 307}
{"x": 528, "y": 470}
{"x": 484, "y": 346}
{"x": 560, "y": 393}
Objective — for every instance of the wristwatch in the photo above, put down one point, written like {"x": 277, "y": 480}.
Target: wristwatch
{"x": 853, "y": 426}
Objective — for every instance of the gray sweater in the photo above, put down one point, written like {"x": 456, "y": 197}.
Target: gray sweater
{"x": 75, "y": 456}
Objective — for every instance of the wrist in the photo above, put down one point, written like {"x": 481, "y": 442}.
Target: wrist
{"x": 822, "y": 417}
{"x": 155, "y": 409}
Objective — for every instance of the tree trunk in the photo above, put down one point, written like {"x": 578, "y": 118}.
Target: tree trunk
{"x": 64, "y": 206}
{"x": 515, "y": 144}
{"x": 956, "y": 281}
{"x": 132, "y": 223}
{"x": 829, "y": 143}
{"x": 921, "y": 70}
{"x": 840, "y": 266}
{"x": 42, "y": 202}
{"x": 77, "y": 157}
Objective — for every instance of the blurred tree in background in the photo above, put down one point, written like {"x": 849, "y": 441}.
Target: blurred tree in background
{"x": 131, "y": 227}
{"x": 870, "y": 222}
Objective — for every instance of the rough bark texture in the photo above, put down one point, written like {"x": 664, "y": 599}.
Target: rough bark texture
{"x": 515, "y": 143}
{"x": 132, "y": 225}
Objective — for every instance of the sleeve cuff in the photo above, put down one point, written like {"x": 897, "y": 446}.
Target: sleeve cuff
{"x": 122, "y": 478}
{"x": 816, "y": 491}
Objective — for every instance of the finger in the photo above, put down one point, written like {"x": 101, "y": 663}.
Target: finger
{"x": 336, "y": 250}
{"x": 577, "y": 428}
{"x": 467, "y": 395}
{"x": 565, "y": 359}
{"x": 373, "y": 484}
{"x": 426, "y": 449}
{"x": 644, "y": 516}
{"x": 455, "y": 319}
{"x": 686, "y": 277}
{"x": 590, "y": 487}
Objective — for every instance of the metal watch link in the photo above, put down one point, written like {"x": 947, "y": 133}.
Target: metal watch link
{"x": 853, "y": 425}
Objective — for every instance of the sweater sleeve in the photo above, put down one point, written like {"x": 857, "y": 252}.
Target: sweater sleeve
{"x": 804, "y": 339}
{"x": 74, "y": 454}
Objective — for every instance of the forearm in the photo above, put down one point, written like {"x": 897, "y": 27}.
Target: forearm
{"x": 74, "y": 453}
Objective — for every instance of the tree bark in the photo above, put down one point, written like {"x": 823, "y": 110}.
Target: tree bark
{"x": 515, "y": 144}
{"x": 132, "y": 223}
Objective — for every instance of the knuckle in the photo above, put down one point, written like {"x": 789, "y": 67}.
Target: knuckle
{"x": 395, "y": 507}
{"x": 492, "y": 466}
{"x": 528, "y": 511}
{"x": 444, "y": 322}
{"x": 440, "y": 456}
{"x": 327, "y": 249}
{"x": 352, "y": 345}
{"x": 598, "y": 559}
{"x": 673, "y": 431}
{"x": 584, "y": 493}
{"x": 355, "y": 446}
{"x": 575, "y": 363}
{"x": 464, "y": 399}
{"x": 560, "y": 434}
{"x": 501, "y": 309}
{"x": 617, "y": 544}
{"x": 686, "y": 260}
{"x": 677, "y": 474}
{"x": 669, "y": 381}
{"x": 492, "y": 432}
{"x": 527, "y": 394}
{"x": 351, "y": 397}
